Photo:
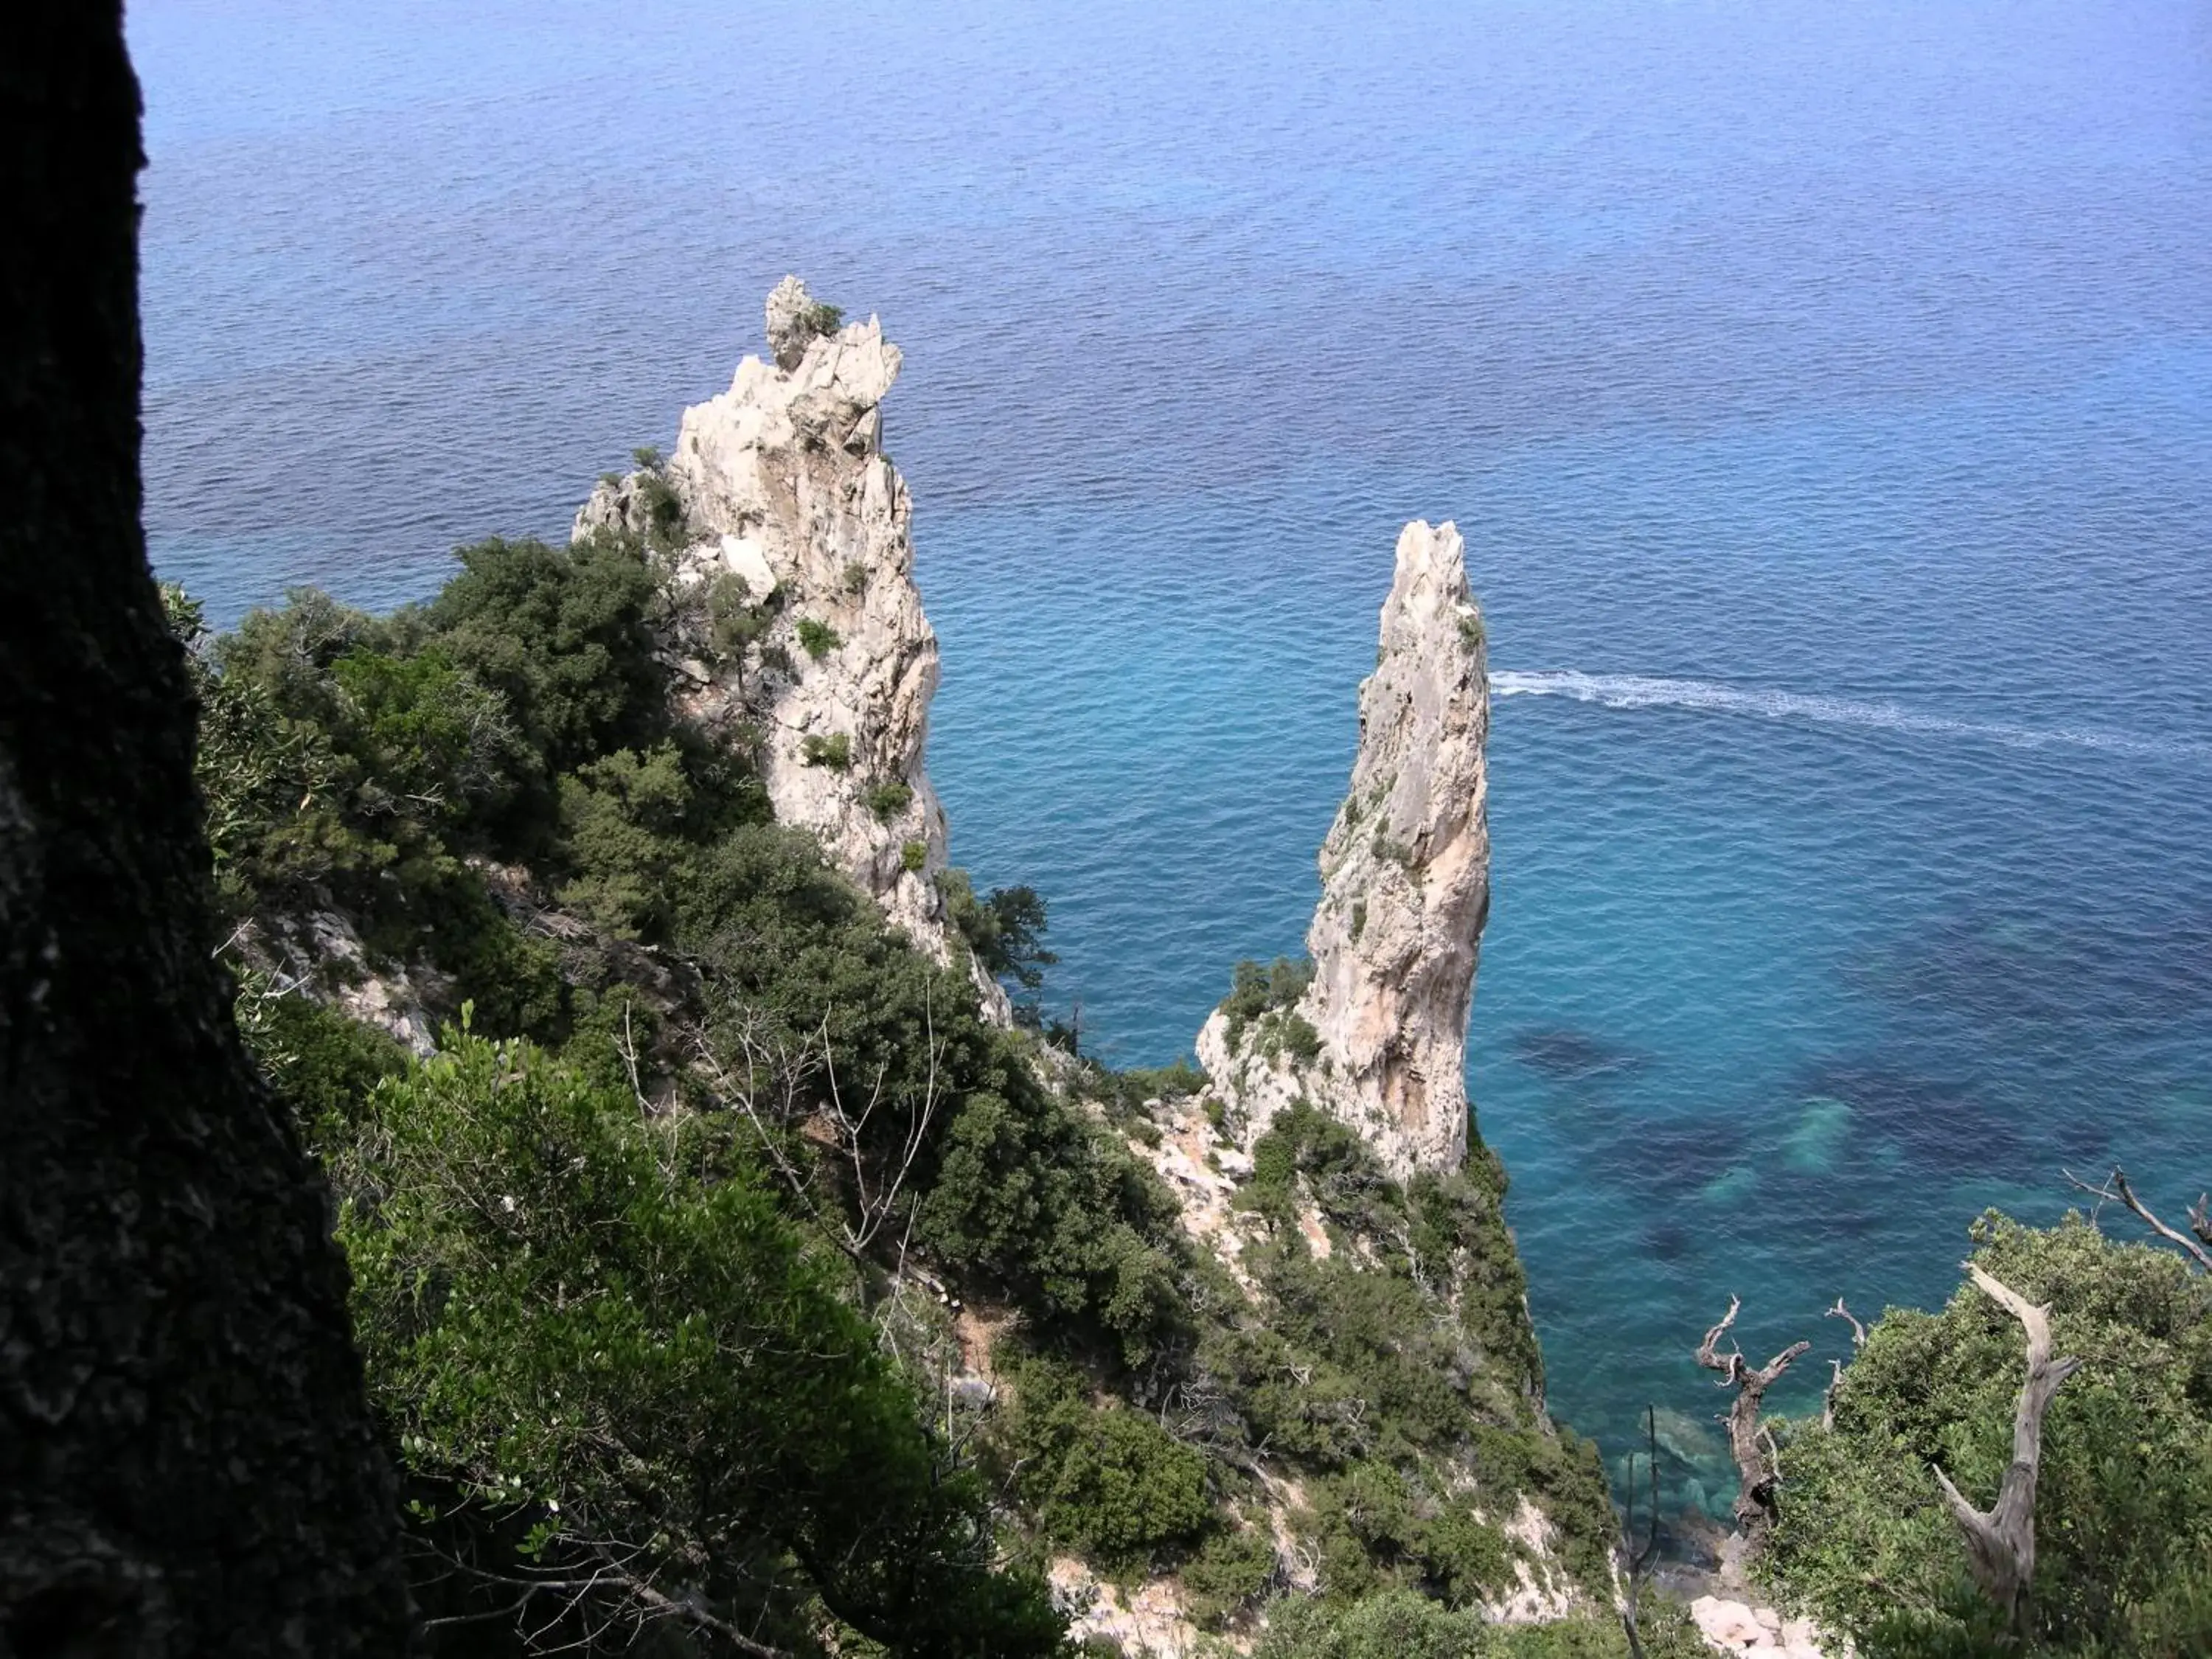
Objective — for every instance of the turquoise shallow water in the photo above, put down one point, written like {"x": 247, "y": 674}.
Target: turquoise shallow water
{"x": 1823, "y": 393}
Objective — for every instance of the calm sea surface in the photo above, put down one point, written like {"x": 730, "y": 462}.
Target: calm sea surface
{"x": 1824, "y": 394}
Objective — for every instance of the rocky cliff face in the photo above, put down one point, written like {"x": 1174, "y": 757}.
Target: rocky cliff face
{"x": 1379, "y": 1037}
{"x": 800, "y": 629}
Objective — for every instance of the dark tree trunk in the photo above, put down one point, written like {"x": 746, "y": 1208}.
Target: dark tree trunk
{"x": 187, "y": 1463}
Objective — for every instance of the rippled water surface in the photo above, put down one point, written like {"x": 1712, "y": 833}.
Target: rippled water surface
{"x": 1825, "y": 393}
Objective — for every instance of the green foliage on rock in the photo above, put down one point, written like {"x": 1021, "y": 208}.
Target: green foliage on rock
{"x": 1399, "y": 1624}
{"x": 2123, "y": 1505}
{"x": 1256, "y": 991}
{"x": 834, "y": 751}
{"x": 1005, "y": 928}
{"x": 889, "y": 798}
{"x": 492, "y": 788}
{"x": 1108, "y": 1483}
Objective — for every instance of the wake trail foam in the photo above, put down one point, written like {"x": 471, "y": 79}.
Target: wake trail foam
{"x": 1641, "y": 691}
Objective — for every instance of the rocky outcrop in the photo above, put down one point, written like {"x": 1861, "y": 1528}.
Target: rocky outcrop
{"x": 800, "y": 630}
{"x": 1379, "y": 1036}
{"x": 1758, "y": 1632}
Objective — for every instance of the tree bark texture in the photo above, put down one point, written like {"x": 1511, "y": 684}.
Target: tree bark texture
{"x": 187, "y": 1461}
{"x": 1756, "y": 1505}
{"x": 2001, "y": 1541}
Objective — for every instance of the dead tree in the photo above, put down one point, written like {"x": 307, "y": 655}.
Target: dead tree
{"x": 1836, "y": 1366}
{"x": 2196, "y": 1244}
{"x": 782, "y": 1090}
{"x": 2001, "y": 1541}
{"x": 1750, "y": 1446}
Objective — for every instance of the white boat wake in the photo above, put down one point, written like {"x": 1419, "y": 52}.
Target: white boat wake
{"x": 1643, "y": 691}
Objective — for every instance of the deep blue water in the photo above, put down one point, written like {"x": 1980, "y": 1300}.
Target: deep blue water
{"x": 1825, "y": 393}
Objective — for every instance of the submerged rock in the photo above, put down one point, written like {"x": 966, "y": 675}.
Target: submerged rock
{"x": 1379, "y": 1037}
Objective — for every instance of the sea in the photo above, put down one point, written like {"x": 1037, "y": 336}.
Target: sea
{"x": 1823, "y": 392}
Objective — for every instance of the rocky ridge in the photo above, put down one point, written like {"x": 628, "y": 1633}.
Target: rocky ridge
{"x": 1378, "y": 1038}
{"x": 798, "y": 630}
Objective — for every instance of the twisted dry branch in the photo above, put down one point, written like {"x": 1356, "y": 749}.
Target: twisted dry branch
{"x": 2001, "y": 1541}
{"x": 2116, "y": 1188}
{"x": 1756, "y": 1504}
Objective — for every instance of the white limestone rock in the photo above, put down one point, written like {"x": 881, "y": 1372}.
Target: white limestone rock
{"x": 791, "y": 509}
{"x": 1405, "y": 891}
{"x": 1741, "y": 1627}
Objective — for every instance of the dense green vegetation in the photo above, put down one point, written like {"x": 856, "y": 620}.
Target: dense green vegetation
{"x": 2123, "y": 1505}
{"x": 642, "y": 1254}
{"x": 1398, "y": 1623}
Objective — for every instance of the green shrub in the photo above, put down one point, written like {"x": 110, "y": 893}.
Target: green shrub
{"x": 914, "y": 857}
{"x": 816, "y": 639}
{"x": 2123, "y": 1502}
{"x": 734, "y": 622}
{"x": 534, "y": 1262}
{"x": 1255, "y": 991}
{"x": 835, "y": 751}
{"x": 889, "y": 800}
{"x": 321, "y": 1063}
{"x": 622, "y": 823}
{"x": 1401, "y": 1623}
{"x": 1106, "y": 1481}
{"x": 1228, "y": 1576}
{"x": 1005, "y": 928}
{"x": 563, "y": 634}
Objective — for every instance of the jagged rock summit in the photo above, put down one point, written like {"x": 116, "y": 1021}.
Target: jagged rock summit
{"x": 1378, "y": 1037}
{"x": 800, "y": 626}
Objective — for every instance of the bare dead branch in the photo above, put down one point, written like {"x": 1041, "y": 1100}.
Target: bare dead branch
{"x": 776, "y": 1084}
{"x": 1858, "y": 1331}
{"x": 2115, "y": 1188}
{"x": 627, "y": 1050}
{"x": 1756, "y": 1504}
{"x": 2001, "y": 1541}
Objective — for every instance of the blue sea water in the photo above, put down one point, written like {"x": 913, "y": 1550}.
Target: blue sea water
{"x": 1824, "y": 394}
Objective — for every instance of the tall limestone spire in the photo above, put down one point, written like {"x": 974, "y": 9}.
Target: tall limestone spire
{"x": 1379, "y": 1037}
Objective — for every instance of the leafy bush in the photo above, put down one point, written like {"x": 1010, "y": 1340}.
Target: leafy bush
{"x": 564, "y": 635}
{"x": 914, "y": 857}
{"x": 889, "y": 800}
{"x": 1105, "y": 1482}
{"x": 2124, "y": 1504}
{"x": 734, "y": 621}
{"x": 834, "y": 751}
{"x": 1230, "y": 1574}
{"x": 1005, "y": 928}
{"x": 1256, "y": 991}
{"x": 602, "y": 1329}
{"x": 818, "y": 639}
{"x": 1398, "y": 1623}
